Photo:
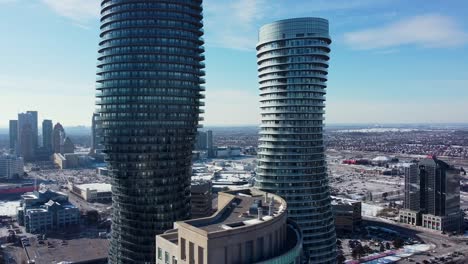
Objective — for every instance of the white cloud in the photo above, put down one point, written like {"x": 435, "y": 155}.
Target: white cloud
{"x": 387, "y": 51}
{"x": 431, "y": 30}
{"x": 235, "y": 24}
{"x": 77, "y": 10}
{"x": 228, "y": 23}
{"x": 247, "y": 11}
{"x": 329, "y": 5}
{"x": 232, "y": 24}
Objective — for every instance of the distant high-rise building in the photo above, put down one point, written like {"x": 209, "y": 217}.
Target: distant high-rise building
{"x": 67, "y": 146}
{"x": 209, "y": 143}
{"x": 13, "y": 135}
{"x": 26, "y": 137}
{"x": 47, "y": 131}
{"x": 58, "y": 137}
{"x": 432, "y": 196}
{"x": 201, "y": 141}
{"x": 412, "y": 188}
{"x": 149, "y": 98}
{"x": 202, "y": 199}
{"x": 292, "y": 58}
{"x": 26, "y": 149}
{"x": 35, "y": 130}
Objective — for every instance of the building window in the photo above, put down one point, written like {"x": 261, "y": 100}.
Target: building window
{"x": 159, "y": 253}
{"x": 201, "y": 253}
{"x": 183, "y": 254}
{"x": 166, "y": 257}
{"x": 249, "y": 251}
{"x": 260, "y": 248}
{"x": 191, "y": 253}
{"x": 225, "y": 254}
{"x": 270, "y": 247}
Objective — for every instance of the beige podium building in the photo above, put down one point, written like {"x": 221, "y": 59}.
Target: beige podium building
{"x": 250, "y": 226}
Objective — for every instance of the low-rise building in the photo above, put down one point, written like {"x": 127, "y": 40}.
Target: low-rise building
{"x": 70, "y": 160}
{"x": 102, "y": 171}
{"x": 202, "y": 199}
{"x": 250, "y": 226}
{"x": 60, "y": 161}
{"x": 46, "y": 210}
{"x": 11, "y": 166}
{"x": 410, "y": 217}
{"x": 92, "y": 192}
{"x": 226, "y": 152}
{"x": 348, "y": 214}
{"x": 447, "y": 223}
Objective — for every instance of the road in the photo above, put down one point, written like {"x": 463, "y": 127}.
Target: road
{"x": 443, "y": 244}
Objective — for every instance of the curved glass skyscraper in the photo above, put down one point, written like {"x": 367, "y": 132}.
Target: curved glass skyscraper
{"x": 149, "y": 97}
{"x": 293, "y": 57}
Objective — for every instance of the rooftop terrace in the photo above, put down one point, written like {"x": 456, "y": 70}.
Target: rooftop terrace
{"x": 239, "y": 209}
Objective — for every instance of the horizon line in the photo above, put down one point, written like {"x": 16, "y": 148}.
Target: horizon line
{"x": 325, "y": 124}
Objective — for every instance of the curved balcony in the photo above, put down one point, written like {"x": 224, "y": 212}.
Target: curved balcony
{"x": 325, "y": 46}
{"x": 271, "y": 69}
{"x": 188, "y": 4}
{"x": 284, "y": 62}
{"x": 293, "y": 250}
{"x": 269, "y": 77}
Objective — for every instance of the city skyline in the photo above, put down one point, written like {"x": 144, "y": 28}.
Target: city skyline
{"x": 374, "y": 77}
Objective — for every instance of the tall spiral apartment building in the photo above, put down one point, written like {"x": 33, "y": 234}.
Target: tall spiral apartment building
{"x": 292, "y": 57}
{"x": 148, "y": 98}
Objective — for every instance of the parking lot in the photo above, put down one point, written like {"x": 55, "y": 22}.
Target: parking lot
{"x": 47, "y": 250}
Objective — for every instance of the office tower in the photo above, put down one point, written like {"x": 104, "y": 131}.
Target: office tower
{"x": 348, "y": 215}
{"x": 47, "y": 130}
{"x": 67, "y": 146}
{"x": 292, "y": 58}
{"x": 201, "y": 199}
{"x": 13, "y": 133}
{"x": 412, "y": 188}
{"x": 58, "y": 137}
{"x": 34, "y": 127}
{"x": 26, "y": 149}
{"x": 209, "y": 143}
{"x": 201, "y": 141}
{"x": 442, "y": 188}
{"x": 25, "y": 144}
{"x": 432, "y": 196}
{"x": 149, "y": 98}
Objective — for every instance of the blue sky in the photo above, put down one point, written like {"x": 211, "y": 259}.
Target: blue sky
{"x": 393, "y": 61}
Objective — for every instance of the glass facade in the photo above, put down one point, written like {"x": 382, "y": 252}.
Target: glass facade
{"x": 292, "y": 57}
{"x": 47, "y": 129}
{"x": 148, "y": 98}
{"x": 13, "y": 134}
